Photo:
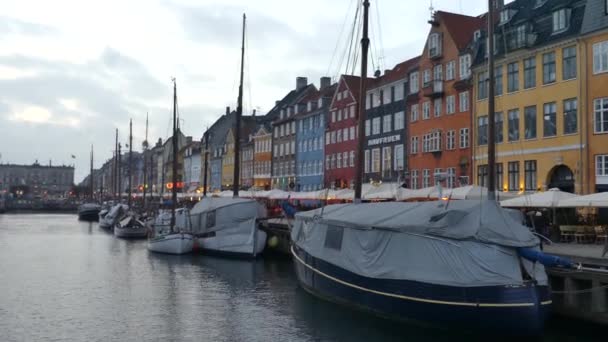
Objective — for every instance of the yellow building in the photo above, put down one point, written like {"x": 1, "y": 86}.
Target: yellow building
{"x": 539, "y": 140}
{"x": 228, "y": 162}
{"x": 595, "y": 45}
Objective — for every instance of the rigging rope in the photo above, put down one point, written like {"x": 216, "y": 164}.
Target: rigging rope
{"x": 339, "y": 38}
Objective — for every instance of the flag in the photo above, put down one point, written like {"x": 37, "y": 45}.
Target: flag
{"x": 73, "y": 156}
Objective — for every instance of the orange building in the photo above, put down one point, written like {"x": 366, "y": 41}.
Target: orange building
{"x": 440, "y": 122}
{"x": 262, "y": 157}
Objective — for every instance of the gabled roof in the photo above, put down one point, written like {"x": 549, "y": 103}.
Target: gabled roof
{"x": 460, "y": 27}
{"x": 353, "y": 82}
{"x": 399, "y": 72}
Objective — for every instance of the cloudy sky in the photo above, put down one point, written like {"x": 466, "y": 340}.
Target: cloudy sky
{"x": 71, "y": 72}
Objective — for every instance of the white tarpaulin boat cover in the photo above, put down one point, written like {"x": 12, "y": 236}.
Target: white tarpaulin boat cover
{"x": 468, "y": 244}
{"x": 219, "y": 213}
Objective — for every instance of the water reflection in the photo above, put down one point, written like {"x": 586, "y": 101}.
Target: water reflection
{"x": 67, "y": 280}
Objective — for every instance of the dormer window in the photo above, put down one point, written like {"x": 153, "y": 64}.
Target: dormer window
{"x": 309, "y": 106}
{"x": 504, "y": 16}
{"x": 282, "y": 114}
{"x": 477, "y": 34}
{"x": 539, "y": 3}
{"x": 561, "y": 20}
{"x": 320, "y": 103}
{"x": 434, "y": 45}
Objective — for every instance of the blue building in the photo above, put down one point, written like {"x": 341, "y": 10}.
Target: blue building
{"x": 310, "y": 133}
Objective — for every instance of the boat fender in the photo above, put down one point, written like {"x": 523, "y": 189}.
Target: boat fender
{"x": 545, "y": 259}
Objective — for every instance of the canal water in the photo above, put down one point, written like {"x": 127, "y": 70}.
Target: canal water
{"x": 65, "y": 280}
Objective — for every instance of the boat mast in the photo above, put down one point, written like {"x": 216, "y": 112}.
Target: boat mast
{"x": 174, "y": 143}
{"x": 145, "y": 162}
{"x": 130, "y": 161}
{"x": 91, "y": 180}
{"x": 206, "y": 137}
{"x": 119, "y": 173}
{"x": 491, "y": 114}
{"x": 361, "y": 110}
{"x": 237, "y": 124}
{"x": 115, "y": 173}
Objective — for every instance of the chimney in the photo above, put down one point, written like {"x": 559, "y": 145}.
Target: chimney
{"x": 227, "y": 110}
{"x": 301, "y": 82}
{"x": 325, "y": 82}
{"x": 253, "y": 113}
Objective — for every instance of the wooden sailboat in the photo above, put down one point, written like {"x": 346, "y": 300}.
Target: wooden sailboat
{"x": 90, "y": 211}
{"x": 171, "y": 240}
{"x": 229, "y": 226}
{"x": 130, "y": 226}
{"x": 446, "y": 263}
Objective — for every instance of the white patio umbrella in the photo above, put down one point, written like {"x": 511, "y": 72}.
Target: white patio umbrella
{"x": 598, "y": 200}
{"x": 418, "y": 193}
{"x": 382, "y": 191}
{"x": 547, "y": 199}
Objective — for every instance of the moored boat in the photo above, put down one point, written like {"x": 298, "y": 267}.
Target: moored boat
{"x": 89, "y": 212}
{"x": 172, "y": 243}
{"x": 130, "y": 227}
{"x": 427, "y": 262}
{"x": 113, "y": 215}
{"x": 228, "y": 226}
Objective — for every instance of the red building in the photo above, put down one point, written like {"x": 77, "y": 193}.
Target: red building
{"x": 341, "y": 134}
{"x": 440, "y": 123}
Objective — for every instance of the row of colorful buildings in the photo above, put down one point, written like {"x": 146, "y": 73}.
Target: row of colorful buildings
{"x": 428, "y": 115}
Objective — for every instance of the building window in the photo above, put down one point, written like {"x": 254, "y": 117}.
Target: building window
{"x": 414, "y": 83}
{"x": 327, "y": 138}
{"x": 434, "y": 45}
{"x": 450, "y": 68}
{"x": 498, "y": 80}
{"x": 530, "y": 175}
{"x": 482, "y": 85}
{"x": 327, "y": 162}
{"x": 352, "y": 133}
{"x": 549, "y": 120}
{"x": 450, "y": 104}
{"x": 352, "y": 112}
{"x": 549, "y": 68}
{"x": 514, "y": 176}
{"x": 561, "y": 18}
{"x": 333, "y": 137}
{"x": 482, "y": 175}
{"x": 450, "y": 140}
{"x": 366, "y": 165}
{"x": 414, "y": 113}
{"x": 426, "y": 77}
{"x": 399, "y": 120}
{"x": 426, "y": 110}
{"x": 375, "y": 126}
{"x": 451, "y": 179}
{"x": 339, "y": 135}
{"x": 498, "y": 127}
{"x": 399, "y": 158}
{"x": 339, "y": 161}
{"x": 333, "y": 161}
{"x": 530, "y": 122}
{"x": 437, "y": 107}
{"x": 386, "y": 126}
{"x": 376, "y": 160}
{"x": 513, "y": 125}
{"x": 465, "y": 66}
{"x": 513, "y": 77}
{"x": 414, "y": 145}
{"x": 464, "y": 138}
{"x": 499, "y": 176}
{"x": 367, "y": 128}
{"x": 426, "y": 178}
{"x": 386, "y": 159}
{"x": 431, "y": 142}
{"x": 569, "y": 63}
{"x": 414, "y": 180}
{"x": 438, "y": 72}
{"x": 482, "y": 130}
{"x": 463, "y": 99}
{"x": 600, "y": 57}
{"x": 601, "y": 165}
{"x": 530, "y": 72}
{"x": 570, "y": 116}
{"x": 351, "y": 158}
{"x": 601, "y": 115}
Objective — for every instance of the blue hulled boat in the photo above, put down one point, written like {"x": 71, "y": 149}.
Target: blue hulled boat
{"x": 450, "y": 266}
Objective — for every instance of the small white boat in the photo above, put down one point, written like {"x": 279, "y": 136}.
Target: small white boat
{"x": 89, "y": 212}
{"x": 172, "y": 243}
{"x": 115, "y": 213}
{"x": 130, "y": 228}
